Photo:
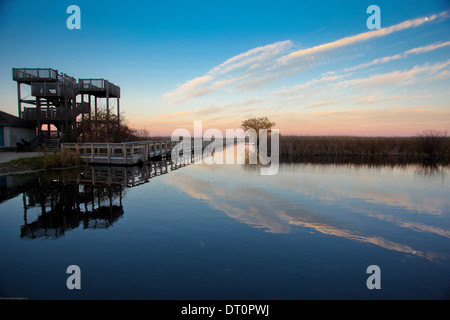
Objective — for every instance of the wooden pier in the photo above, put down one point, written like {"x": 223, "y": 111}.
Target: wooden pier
{"x": 126, "y": 153}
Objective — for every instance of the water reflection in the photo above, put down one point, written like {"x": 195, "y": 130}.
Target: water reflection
{"x": 65, "y": 206}
{"x": 91, "y": 198}
{"x": 388, "y": 206}
{"x": 399, "y": 207}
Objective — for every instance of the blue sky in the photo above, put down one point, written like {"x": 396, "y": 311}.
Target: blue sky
{"x": 313, "y": 68}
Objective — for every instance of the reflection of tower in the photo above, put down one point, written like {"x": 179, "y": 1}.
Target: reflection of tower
{"x": 64, "y": 206}
{"x": 92, "y": 197}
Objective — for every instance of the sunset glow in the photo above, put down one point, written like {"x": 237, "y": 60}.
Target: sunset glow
{"x": 311, "y": 71}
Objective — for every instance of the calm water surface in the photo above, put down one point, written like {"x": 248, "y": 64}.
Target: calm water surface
{"x": 226, "y": 232}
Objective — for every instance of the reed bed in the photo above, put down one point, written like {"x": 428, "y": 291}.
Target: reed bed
{"x": 361, "y": 146}
{"x": 47, "y": 161}
{"x": 61, "y": 159}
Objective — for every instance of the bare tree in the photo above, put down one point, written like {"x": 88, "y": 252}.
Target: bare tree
{"x": 106, "y": 128}
{"x": 257, "y": 124}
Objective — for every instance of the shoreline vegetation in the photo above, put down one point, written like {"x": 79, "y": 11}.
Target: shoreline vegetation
{"x": 418, "y": 147}
{"x": 46, "y": 161}
{"x": 431, "y": 147}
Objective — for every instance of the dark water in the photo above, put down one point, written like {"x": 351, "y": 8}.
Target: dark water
{"x": 226, "y": 232}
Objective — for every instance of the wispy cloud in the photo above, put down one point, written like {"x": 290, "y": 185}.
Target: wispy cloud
{"x": 254, "y": 58}
{"x": 369, "y": 89}
{"x": 412, "y": 23}
{"x": 421, "y": 73}
{"x": 192, "y": 88}
{"x": 405, "y": 54}
{"x": 235, "y": 69}
{"x": 262, "y": 65}
{"x": 286, "y": 91}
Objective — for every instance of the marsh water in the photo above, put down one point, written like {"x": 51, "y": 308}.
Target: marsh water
{"x": 198, "y": 231}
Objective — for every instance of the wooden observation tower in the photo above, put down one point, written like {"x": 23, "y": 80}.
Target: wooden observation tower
{"x": 51, "y": 100}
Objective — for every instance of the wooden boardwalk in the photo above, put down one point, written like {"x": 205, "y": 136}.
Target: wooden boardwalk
{"x": 126, "y": 153}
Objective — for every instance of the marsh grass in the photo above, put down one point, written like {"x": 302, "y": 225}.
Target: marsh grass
{"x": 360, "y": 146}
{"x": 48, "y": 161}
{"x": 62, "y": 159}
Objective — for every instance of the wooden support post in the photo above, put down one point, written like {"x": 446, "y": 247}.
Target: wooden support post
{"x": 82, "y": 107}
{"x": 38, "y": 114}
{"x": 96, "y": 119}
{"x": 118, "y": 111}
{"x": 89, "y": 99}
{"x": 19, "y": 100}
{"x": 66, "y": 118}
{"x": 107, "y": 109}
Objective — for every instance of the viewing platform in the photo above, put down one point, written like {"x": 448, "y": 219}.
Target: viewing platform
{"x": 99, "y": 87}
{"x": 50, "y": 114}
{"x": 28, "y": 75}
{"x": 60, "y": 89}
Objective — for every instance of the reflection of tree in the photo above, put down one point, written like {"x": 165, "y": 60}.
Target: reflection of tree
{"x": 252, "y": 159}
{"x": 250, "y": 156}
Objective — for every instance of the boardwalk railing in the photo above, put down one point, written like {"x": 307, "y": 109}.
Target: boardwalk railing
{"x": 126, "y": 153}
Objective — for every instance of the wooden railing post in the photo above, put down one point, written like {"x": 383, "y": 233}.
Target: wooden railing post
{"x": 108, "y": 151}
{"x": 132, "y": 153}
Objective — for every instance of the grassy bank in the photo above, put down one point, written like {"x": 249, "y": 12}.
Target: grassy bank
{"x": 364, "y": 146}
{"x": 48, "y": 161}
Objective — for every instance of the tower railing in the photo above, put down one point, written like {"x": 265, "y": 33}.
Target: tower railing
{"x": 35, "y": 74}
{"x": 98, "y": 85}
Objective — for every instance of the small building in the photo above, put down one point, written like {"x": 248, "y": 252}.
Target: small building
{"x": 14, "y": 129}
